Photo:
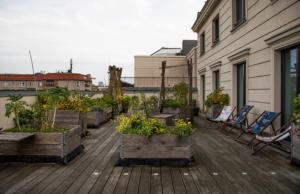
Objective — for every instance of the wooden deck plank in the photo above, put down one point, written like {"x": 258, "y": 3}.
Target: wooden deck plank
{"x": 145, "y": 185}
{"x": 88, "y": 178}
{"x": 177, "y": 181}
{"x": 99, "y": 183}
{"x": 188, "y": 181}
{"x": 72, "y": 174}
{"x": 10, "y": 169}
{"x": 156, "y": 180}
{"x": 123, "y": 181}
{"x": 112, "y": 181}
{"x": 134, "y": 182}
{"x": 199, "y": 180}
{"x": 167, "y": 183}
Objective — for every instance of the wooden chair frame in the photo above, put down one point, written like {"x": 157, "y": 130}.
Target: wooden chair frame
{"x": 256, "y": 120}
{"x": 269, "y": 143}
{"x": 239, "y": 121}
{"x": 219, "y": 122}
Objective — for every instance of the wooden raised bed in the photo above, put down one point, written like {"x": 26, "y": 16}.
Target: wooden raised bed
{"x": 120, "y": 107}
{"x": 108, "y": 114}
{"x": 95, "y": 119}
{"x": 213, "y": 110}
{"x": 69, "y": 117}
{"x": 179, "y": 113}
{"x": 156, "y": 150}
{"x": 295, "y": 151}
{"x": 41, "y": 147}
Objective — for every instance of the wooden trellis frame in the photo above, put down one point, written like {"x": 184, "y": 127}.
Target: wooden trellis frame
{"x": 111, "y": 86}
{"x": 162, "y": 88}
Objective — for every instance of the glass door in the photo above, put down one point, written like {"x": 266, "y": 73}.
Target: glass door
{"x": 290, "y": 85}
{"x": 241, "y": 86}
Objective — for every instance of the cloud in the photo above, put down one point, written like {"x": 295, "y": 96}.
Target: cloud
{"x": 91, "y": 32}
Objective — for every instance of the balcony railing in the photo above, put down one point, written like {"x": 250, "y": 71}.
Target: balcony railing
{"x": 156, "y": 81}
{"x": 87, "y": 85}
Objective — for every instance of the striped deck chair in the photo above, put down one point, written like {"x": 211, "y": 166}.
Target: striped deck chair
{"x": 263, "y": 121}
{"x": 272, "y": 138}
{"x": 222, "y": 116}
{"x": 240, "y": 116}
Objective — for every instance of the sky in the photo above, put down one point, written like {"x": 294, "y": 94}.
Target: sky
{"x": 94, "y": 33}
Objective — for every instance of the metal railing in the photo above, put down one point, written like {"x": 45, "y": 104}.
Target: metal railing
{"x": 156, "y": 81}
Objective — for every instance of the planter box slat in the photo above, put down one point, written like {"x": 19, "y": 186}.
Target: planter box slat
{"x": 30, "y": 149}
{"x": 15, "y": 136}
{"x": 162, "y": 140}
{"x": 72, "y": 144}
{"x": 73, "y": 134}
{"x": 155, "y": 152}
{"x": 41, "y": 138}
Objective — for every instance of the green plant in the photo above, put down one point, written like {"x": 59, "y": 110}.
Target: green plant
{"x": 15, "y": 106}
{"x": 182, "y": 128}
{"x": 172, "y": 104}
{"x": 25, "y": 117}
{"x": 217, "y": 97}
{"x": 125, "y": 100}
{"x": 296, "y": 114}
{"x": 56, "y": 96}
{"x": 96, "y": 109}
{"x": 110, "y": 102}
{"x": 135, "y": 100}
{"x": 180, "y": 92}
{"x": 154, "y": 98}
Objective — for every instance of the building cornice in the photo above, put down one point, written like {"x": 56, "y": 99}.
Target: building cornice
{"x": 239, "y": 54}
{"x": 147, "y": 56}
{"x": 288, "y": 32}
{"x": 202, "y": 70}
{"x": 216, "y": 64}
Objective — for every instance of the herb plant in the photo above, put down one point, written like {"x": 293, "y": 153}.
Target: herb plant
{"x": 15, "y": 106}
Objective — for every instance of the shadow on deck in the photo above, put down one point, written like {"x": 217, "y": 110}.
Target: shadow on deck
{"x": 222, "y": 166}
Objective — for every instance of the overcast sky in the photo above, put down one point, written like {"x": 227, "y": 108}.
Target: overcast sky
{"x": 92, "y": 32}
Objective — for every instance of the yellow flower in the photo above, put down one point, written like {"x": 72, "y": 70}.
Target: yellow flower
{"x": 189, "y": 122}
{"x": 145, "y": 114}
{"x": 162, "y": 121}
{"x": 130, "y": 108}
{"x": 184, "y": 124}
{"x": 187, "y": 118}
{"x": 44, "y": 106}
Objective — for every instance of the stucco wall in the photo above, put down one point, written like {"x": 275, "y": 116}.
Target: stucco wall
{"x": 264, "y": 19}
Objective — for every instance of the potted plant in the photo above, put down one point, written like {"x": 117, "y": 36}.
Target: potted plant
{"x": 215, "y": 101}
{"x": 40, "y": 143}
{"x": 96, "y": 116}
{"x": 295, "y": 148}
{"x": 149, "y": 142}
{"x": 125, "y": 103}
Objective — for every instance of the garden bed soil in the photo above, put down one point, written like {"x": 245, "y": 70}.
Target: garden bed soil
{"x": 295, "y": 151}
{"x": 42, "y": 147}
{"x": 95, "y": 119}
{"x": 157, "y": 150}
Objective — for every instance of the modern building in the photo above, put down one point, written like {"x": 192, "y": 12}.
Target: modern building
{"x": 148, "y": 74}
{"x": 73, "y": 81}
{"x": 252, "y": 49}
{"x": 100, "y": 83}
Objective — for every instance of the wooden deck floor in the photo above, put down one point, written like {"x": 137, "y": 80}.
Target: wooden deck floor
{"x": 222, "y": 166}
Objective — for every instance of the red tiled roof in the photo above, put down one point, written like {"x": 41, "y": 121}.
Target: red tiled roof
{"x": 66, "y": 76}
{"x": 48, "y": 76}
{"x": 20, "y": 77}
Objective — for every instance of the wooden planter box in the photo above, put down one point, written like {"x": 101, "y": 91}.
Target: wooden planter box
{"x": 295, "y": 151}
{"x": 179, "y": 113}
{"x": 95, "y": 119}
{"x": 108, "y": 114}
{"x": 213, "y": 110}
{"x": 41, "y": 147}
{"x": 156, "y": 146}
{"x": 69, "y": 117}
{"x": 119, "y": 107}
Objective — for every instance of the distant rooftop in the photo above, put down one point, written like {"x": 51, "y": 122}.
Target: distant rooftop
{"x": 167, "y": 52}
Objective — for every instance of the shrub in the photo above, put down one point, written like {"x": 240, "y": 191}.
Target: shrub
{"x": 180, "y": 92}
{"x": 217, "y": 97}
{"x": 96, "y": 109}
{"x": 25, "y": 117}
{"x": 125, "y": 100}
{"x": 172, "y": 104}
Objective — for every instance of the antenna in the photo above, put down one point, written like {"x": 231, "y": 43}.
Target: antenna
{"x": 104, "y": 81}
{"x": 33, "y": 73}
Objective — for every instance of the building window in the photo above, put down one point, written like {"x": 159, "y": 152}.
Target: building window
{"x": 12, "y": 84}
{"x": 202, "y": 43}
{"x": 50, "y": 83}
{"x": 203, "y": 88}
{"x": 22, "y": 84}
{"x": 40, "y": 84}
{"x": 240, "y": 11}
{"x": 5, "y": 84}
{"x": 31, "y": 84}
{"x": 241, "y": 85}
{"x": 217, "y": 79}
{"x": 216, "y": 30}
{"x": 290, "y": 82}
{"x": 78, "y": 84}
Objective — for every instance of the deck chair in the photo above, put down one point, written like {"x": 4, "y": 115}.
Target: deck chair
{"x": 237, "y": 119}
{"x": 263, "y": 121}
{"x": 272, "y": 138}
{"x": 222, "y": 116}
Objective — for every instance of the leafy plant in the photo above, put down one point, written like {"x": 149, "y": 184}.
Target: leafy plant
{"x": 154, "y": 98}
{"x": 135, "y": 100}
{"x": 172, "y": 104}
{"x": 15, "y": 106}
{"x": 182, "y": 128}
{"x": 96, "y": 109}
{"x": 296, "y": 114}
{"x": 25, "y": 117}
{"x": 217, "y": 97}
{"x": 180, "y": 92}
{"x": 125, "y": 100}
{"x": 57, "y": 95}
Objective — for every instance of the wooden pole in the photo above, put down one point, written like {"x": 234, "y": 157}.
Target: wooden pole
{"x": 119, "y": 78}
{"x": 162, "y": 86}
{"x": 163, "y": 78}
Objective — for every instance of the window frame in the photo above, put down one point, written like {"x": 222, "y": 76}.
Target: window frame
{"x": 12, "y": 84}
{"x": 236, "y": 21}
{"x": 244, "y": 85}
{"x": 216, "y": 79}
{"x": 49, "y": 83}
{"x": 21, "y": 84}
{"x": 202, "y": 43}
{"x": 215, "y": 30}
{"x": 5, "y": 84}
{"x": 78, "y": 83}
{"x": 31, "y": 84}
